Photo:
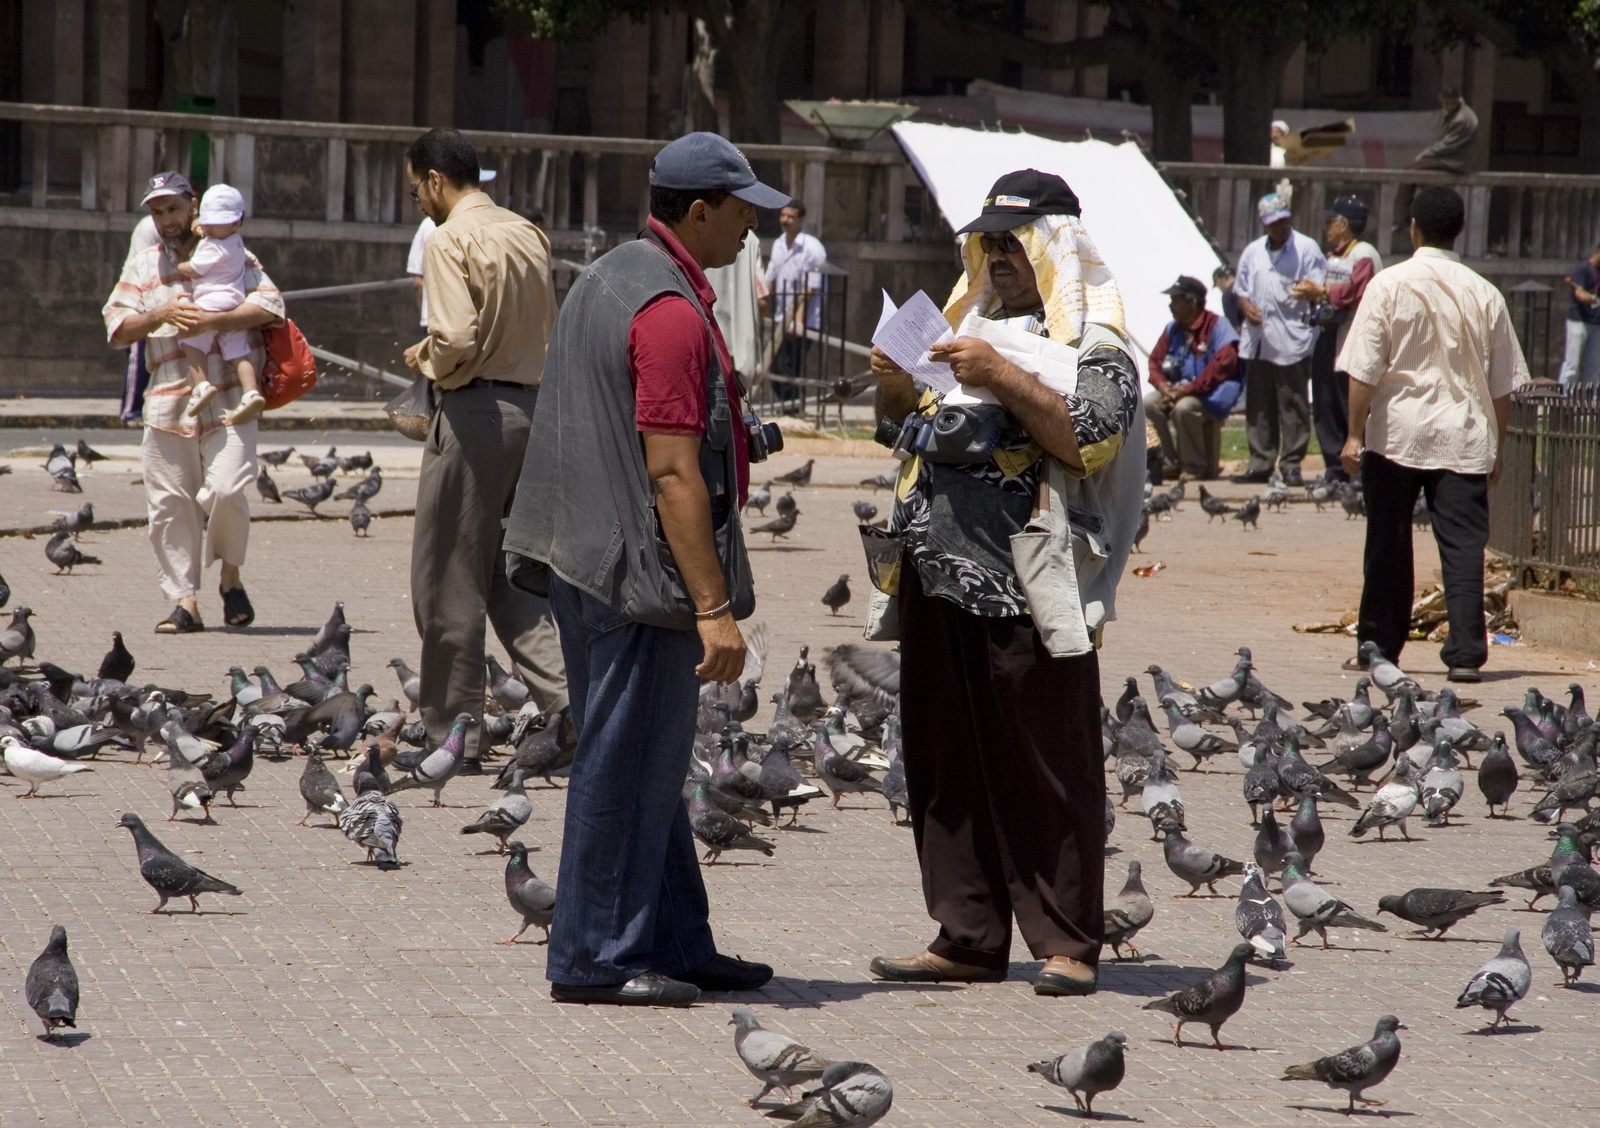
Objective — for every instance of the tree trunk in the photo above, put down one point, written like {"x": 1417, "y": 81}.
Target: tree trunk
{"x": 751, "y": 35}
{"x": 1250, "y": 72}
{"x": 700, "y": 89}
{"x": 1572, "y": 63}
{"x": 1171, "y": 95}
{"x": 202, "y": 51}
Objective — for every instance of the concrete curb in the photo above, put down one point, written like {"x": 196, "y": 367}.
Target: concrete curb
{"x": 97, "y": 422}
{"x": 36, "y": 531}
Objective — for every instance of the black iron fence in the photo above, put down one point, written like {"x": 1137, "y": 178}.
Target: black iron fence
{"x": 808, "y": 365}
{"x": 1544, "y": 513}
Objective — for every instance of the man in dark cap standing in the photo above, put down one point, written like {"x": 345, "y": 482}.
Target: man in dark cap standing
{"x": 1352, "y": 263}
{"x": 628, "y": 515}
{"x": 1000, "y": 694}
{"x": 1194, "y": 382}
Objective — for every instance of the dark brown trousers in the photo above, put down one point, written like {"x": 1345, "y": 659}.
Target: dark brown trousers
{"x": 1004, "y": 769}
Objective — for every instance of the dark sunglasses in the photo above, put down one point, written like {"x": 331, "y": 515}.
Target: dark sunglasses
{"x": 1005, "y": 242}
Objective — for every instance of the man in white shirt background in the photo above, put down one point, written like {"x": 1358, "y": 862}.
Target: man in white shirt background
{"x": 794, "y": 276}
{"x": 1277, "y": 340}
{"x": 1432, "y": 359}
{"x": 419, "y": 243}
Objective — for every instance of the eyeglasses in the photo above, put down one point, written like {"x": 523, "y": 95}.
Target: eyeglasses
{"x": 1005, "y": 242}
{"x": 413, "y": 195}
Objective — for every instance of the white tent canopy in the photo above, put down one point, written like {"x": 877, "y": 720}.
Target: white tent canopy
{"x": 1146, "y": 236}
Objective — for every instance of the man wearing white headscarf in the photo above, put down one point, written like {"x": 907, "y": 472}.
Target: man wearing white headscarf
{"x": 1001, "y": 719}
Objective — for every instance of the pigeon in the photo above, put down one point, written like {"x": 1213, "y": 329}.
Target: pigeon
{"x": 853, "y": 1095}
{"x": 1214, "y": 506}
{"x": 1365, "y": 758}
{"x": 865, "y": 511}
{"x": 1568, "y": 937}
{"x": 1384, "y": 673}
{"x": 313, "y": 495}
{"x": 1142, "y": 531}
{"x": 1299, "y": 778}
{"x": 5, "y": 592}
{"x": 77, "y": 522}
{"x": 837, "y": 595}
{"x": 1502, "y": 982}
{"x": 800, "y": 476}
{"x": 760, "y": 500}
{"x": 1261, "y": 786}
{"x": 785, "y": 505}
{"x": 169, "y": 875}
{"x": 61, "y": 467}
{"x": 1169, "y": 691}
{"x": 1212, "y": 1000}
{"x": 1138, "y": 734}
{"x": 1128, "y": 913}
{"x": 371, "y": 820}
{"x": 1358, "y": 710}
{"x": 52, "y": 985}
{"x": 440, "y": 766}
{"x": 802, "y": 693}
{"x": 342, "y": 715}
{"x": 1357, "y": 1069}
{"x": 780, "y": 526}
{"x": 356, "y": 462}
{"x": 1569, "y": 865}
{"x": 1576, "y": 786}
{"x": 1190, "y": 737}
{"x": 1441, "y": 785}
{"x": 364, "y": 490}
{"x": 64, "y": 554}
{"x": 895, "y": 789}
{"x": 88, "y": 453}
{"x": 1435, "y": 910}
{"x": 1159, "y": 799}
{"x": 1353, "y": 501}
{"x": 1195, "y": 864}
{"x": 36, "y": 767}
{"x": 505, "y": 815}
{"x": 508, "y": 690}
{"x": 360, "y": 518}
{"x": 1316, "y": 908}
{"x": 1273, "y": 844}
{"x": 226, "y": 768}
{"x": 1497, "y": 776}
{"x": 776, "y": 1060}
{"x": 1249, "y": 513}
{"x": 717, "y": 829}
{"x": 190, "y": 791}
{"x": 530, "y": 896}
{"x": 1392, "y": 804}
{"x": 1305, "y": 829}
{"x": 275, "y": 457}
{"x": 842, "y": 774}
{"x": 322, "y": 467}
{"x": 118, "y": 664}
{"x": 410, "y": 680}
{"x": 1220, "y": 694}
{"x": 1259, "y": 918}
{"x": 267, "y": 488}
{"x": 1087, "y": 1072}
{"x": 335, "y": 657}
{"x": 320, "y": 789}
{"x": 881, "y": 482}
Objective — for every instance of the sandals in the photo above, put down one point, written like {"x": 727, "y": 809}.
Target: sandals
{"x": 236, "y": 609}
{"x": 179, "y": 622}
{"x": 204, "y": 392}
{"x": 248, "y": 411}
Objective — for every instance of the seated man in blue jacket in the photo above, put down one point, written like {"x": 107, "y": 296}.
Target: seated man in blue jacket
{"x": 1194, "y": 381}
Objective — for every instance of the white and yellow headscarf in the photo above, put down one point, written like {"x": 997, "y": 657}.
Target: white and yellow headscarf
{"x": 1074, "y": 281}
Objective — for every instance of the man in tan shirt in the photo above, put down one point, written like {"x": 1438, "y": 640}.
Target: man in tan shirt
{"x": 491, "y": 307}
{"x": 1432, "y": 359}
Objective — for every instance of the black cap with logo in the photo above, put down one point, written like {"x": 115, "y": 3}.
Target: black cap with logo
{"x": 1351, "y": 207}
{"x": 1021, "y": 197}
{"x": 1188, "y": 287}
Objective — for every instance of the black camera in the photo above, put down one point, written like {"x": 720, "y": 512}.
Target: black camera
{"x": 763, "y": 438}
{"x": 961, "y": 435}
{"x": 1171, "y": 366}
{"x": 900, "y": 436}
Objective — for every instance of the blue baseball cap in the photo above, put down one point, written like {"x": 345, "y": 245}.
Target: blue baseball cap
{"x": 707, "y": 160}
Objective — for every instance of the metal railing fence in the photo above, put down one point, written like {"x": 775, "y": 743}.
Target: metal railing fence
{"x": 1544, "y": 512}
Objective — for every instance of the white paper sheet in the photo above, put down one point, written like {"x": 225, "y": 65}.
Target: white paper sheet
{"x": 906, "y": 334}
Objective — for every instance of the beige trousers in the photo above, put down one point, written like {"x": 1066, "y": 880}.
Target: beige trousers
{"x": 1198, "y": 445}
{"x": 195, "y": 493}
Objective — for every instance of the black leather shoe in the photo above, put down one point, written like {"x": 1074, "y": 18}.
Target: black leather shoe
{"x": 1292, "y": 479}
{"x": 647, "y": 990}
{"x": 471, "y": 767}
{"x": 1464, "y": 674}
{"x": 1253, "y": 478}
{"x": 725, "y": 973}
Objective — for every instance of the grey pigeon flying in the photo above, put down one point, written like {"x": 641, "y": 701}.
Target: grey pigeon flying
{"x": 440, "y": 766}
{"x": 853, "y": 1095}
{"x": 1316, "y": 908}
{"x": 1128, "y": 913}
{"x": 505, "y": 815}
{"x": 776, "y": 1060}
{"x": 1306, "y": 831}
{"x": 1357, "y": 1069}
{"x": 320, "y": 789}
{"x": 530, "y": 896}
{"x": 64, "y": 554}
{"x": 1497, "y": 776}
{"x": 1087, "y": 1071}
{"x": 166, "y": 873}
{"x": 52, "y": 985}
{"x": 329, "y": 631}
{"x": 118, "y": 664}
{"x": 1195, "y": 864}
{"x": 1502, "y": 982}
{"x": 1568, "y": 937}
{"x": 1213, "y": 999}
{"x": 1259, "y": 918}
{"x": 371, "y": 820}
{"x": 837, "y": 595}
{"x": 1435, "y": 910}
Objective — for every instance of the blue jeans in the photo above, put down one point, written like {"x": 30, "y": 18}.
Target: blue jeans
{"x": 1581, "y": 362}
{"x": 630, "y": 897}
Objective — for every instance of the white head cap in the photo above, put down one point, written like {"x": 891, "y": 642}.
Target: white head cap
{"x": 221, "y": 204}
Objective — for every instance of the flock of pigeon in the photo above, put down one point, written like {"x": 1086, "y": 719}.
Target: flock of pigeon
{"x": 1322, "y": 492}
{"x": 323, "y": 485}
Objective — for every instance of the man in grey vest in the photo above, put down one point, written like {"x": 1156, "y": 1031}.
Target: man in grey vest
{"x": 628, "y": 516}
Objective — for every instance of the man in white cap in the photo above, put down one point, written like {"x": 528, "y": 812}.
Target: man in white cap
{"x": 196, "y": 470}
{"x": 1277, "y": 341}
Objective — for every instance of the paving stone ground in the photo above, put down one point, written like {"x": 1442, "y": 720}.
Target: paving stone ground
{"x": 333, "y": 994}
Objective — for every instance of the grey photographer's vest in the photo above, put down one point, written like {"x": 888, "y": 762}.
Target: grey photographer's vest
{"x": 585, "y": 504}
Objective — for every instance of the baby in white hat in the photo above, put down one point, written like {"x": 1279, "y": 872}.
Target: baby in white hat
{"x": 218, "y": 267}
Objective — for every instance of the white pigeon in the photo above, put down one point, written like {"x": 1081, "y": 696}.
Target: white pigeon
{"x": 1394, "y": 802}
{"x": 36, "y": 767}
{"x": 774, "y": 1059}
{"x": 1502, "y": 982}
{"x": 853, "y": 1094}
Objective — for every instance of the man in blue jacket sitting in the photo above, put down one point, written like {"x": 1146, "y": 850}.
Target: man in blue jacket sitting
{"x": 1194, "y": 382}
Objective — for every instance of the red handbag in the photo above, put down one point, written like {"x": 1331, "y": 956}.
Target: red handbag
{"x": 291, "y": 371}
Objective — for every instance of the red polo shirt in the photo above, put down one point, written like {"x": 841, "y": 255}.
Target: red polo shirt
{"x": 669, "y": 352}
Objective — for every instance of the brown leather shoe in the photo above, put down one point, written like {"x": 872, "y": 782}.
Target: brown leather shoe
{"x": 925, "y": 967}
{"x": 1063, "y": 975}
